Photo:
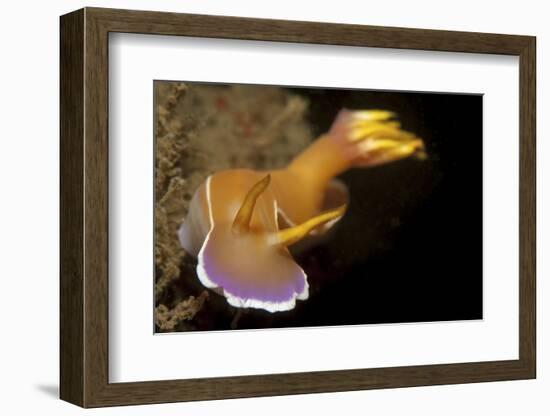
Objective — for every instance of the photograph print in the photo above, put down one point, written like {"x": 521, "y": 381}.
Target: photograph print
{"x": 292, "y": 207}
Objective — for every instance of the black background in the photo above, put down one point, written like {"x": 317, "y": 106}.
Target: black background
{"x": 409, "y": 249}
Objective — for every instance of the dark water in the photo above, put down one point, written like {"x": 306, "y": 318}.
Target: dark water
{"x": 409, "y": 248}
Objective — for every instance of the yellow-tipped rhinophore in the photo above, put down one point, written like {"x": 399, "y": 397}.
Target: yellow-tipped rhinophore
{"x": 294, "y": 234}
{"x": 241, "y": 223}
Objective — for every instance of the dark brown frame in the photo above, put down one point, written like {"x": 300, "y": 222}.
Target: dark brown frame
{"x": 84, "y": 209}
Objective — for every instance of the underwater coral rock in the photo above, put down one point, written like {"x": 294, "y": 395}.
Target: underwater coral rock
{"x": 168, "y": 319}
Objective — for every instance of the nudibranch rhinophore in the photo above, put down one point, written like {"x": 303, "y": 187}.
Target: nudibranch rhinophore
{"x": 241, "y": 222}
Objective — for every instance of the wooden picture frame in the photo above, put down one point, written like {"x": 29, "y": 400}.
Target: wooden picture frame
{"x": 84, "y": 207}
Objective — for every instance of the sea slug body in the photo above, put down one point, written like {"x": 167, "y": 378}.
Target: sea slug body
{"x": 241, "y": 222}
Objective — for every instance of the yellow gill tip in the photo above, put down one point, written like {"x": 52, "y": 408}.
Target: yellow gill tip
{"x": 389, "y": 150}
{"x": 363, "y": 130}
{"x": 372, "y": 115}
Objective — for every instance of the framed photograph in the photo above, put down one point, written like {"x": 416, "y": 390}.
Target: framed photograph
{"x": 257, "y": 207}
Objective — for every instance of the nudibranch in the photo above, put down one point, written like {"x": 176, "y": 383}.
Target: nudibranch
{"x": 241, "y": 222}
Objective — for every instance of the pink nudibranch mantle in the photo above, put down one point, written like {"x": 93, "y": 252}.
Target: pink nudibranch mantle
{"x": 241, "y": 222}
